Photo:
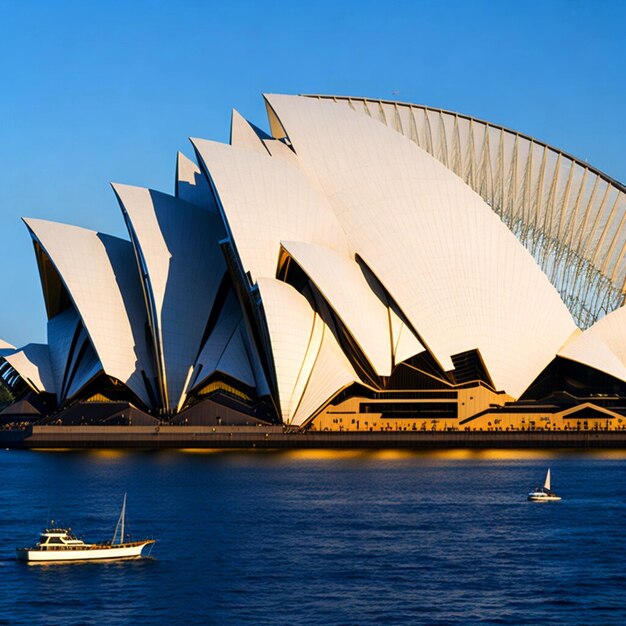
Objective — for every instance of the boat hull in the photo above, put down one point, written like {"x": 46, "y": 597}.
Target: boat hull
{"x": 543, "y": 498}
{"x": 96, "y": 553}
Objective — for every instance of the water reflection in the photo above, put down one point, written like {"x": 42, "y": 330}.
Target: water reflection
{"x": 321, "y": 537}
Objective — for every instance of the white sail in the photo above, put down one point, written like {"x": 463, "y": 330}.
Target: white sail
{"x": 546, "y": 485}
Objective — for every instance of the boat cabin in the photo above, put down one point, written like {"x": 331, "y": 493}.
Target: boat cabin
{"x": 58, "y": 538}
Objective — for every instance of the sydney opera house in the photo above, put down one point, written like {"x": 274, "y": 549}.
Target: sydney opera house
{"x": 363, "y": 265}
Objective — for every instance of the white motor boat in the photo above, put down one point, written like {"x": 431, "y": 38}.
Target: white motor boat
{"x": 61, "y": 545}
{"x": 544, "y": 494}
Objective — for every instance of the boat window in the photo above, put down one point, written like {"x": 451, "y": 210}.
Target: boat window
{"x": 55, "y": 540}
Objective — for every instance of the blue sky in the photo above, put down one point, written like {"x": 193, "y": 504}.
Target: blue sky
{"x": 94, "y": 92}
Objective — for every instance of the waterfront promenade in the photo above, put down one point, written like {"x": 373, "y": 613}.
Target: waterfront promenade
{"x": 274, "y": 437}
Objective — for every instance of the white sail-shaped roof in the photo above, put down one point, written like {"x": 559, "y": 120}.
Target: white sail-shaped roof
{"x": 224, "y": 349}
{"x": 234, "y": 360}
{"x": 602, "y": 346}
{"x": 456, "y": 271}
{"x": 61, "y": 331}
{"x": 4, "y": 345}
{"x": 99, "y": 273}
{"x": 266, "y": 200}
{"x": 191, "y": 185}
{"x": 568, "y": 214}
{"x": 404, "y": 343}
{"x": 297, "y": 335}
{"x": 176, "y": 244}
{"x": 331, "y": 373}
{"x": 242, "y": 135}
{"x": 346, "y": 290}
{"x": 32, "y": 363}
{"x": 254, "y": 355}
{"x": 81, "y": 365}
{"x": 73, "y": 360}
{"x": 88, "y": 368}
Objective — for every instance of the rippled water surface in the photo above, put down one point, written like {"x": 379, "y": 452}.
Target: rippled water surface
{"x": 320, "y": 538}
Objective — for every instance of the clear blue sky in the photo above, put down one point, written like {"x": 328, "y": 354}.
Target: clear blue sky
{"x": 94, "y": 92}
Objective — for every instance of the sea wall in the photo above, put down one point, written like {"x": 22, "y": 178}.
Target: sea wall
{"x": 273, "y": 437}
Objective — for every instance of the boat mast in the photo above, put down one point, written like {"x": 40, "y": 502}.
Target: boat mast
{"x": 124, "y": 516}
{"x": 120, "y": 523}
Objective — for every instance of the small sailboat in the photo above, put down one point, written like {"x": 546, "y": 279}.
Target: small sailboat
{"x": 61, "y": 545}
{"x": 544, "y": 494}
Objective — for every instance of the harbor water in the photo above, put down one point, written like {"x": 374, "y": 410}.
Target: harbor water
{"x": 320, "y": 538}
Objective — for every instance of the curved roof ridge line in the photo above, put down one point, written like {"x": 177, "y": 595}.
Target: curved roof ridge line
{"x": 567, "y": 155}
